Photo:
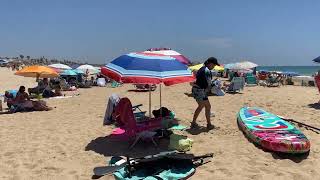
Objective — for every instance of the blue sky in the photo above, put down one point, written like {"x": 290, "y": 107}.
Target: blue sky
{"x": 269, "y": 32}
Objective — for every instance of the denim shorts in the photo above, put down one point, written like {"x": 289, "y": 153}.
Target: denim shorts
{"x": 199, "y": 94}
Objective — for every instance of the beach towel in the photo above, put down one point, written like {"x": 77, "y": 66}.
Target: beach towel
{"x": 60, "y": 97}
{"x": 112, "y": 103}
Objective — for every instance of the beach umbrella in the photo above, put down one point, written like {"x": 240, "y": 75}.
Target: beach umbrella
{"x": 228, "y": 66}
{"x": 37, "y": 71}
{"x": 69, "y": 72}
{"x": 59, "y": 66}
{"x": 241, "y": 65}
{"x": 147, "y": 69}
{"x": 89, "y": 68}
{"x": 78, "y": 71}
{"x": 168, "y": 52}
{"x": 317, "y": 60}
{"x": 198, "y": 66}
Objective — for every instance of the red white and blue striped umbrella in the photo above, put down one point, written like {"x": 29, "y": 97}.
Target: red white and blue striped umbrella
{"x": 147, "y": 68}
{"x": 168, "y": 52}
{"x": 317, "y": 60}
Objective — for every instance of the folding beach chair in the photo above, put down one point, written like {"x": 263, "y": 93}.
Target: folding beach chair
{"x": 251, "y": 80}
{"x": 130, "y": 127}
{"x": 237, "y": 84}
{"x": 274, "y": 82}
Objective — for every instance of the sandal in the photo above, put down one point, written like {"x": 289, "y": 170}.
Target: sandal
{"x": 210, "y": 127}
{"x": 194, "y": 125}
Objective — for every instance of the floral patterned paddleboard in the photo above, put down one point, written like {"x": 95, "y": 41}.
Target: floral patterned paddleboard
{"x": 271, "y": 132}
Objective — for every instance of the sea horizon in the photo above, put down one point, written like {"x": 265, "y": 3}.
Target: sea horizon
{"x": 302, "y": 70}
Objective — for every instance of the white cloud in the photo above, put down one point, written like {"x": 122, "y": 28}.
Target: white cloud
{"x": 217, "y": 42}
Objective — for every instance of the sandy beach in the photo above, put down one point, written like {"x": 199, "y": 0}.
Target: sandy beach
{"x": 69, "y": 141}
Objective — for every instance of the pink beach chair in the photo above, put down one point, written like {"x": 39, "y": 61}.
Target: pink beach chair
{"x": 128, "y": 126}
{"x": 317, "y": 81}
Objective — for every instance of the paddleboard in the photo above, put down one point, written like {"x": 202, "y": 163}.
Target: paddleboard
{"x": 271, "y": 132}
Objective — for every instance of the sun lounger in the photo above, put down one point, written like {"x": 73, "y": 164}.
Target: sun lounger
{"x": 237, "y": 84}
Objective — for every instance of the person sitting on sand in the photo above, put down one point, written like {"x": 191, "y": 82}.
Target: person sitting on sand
{"x": 57, "y": 91}
{"x": 22, "y": 102}
{"x": 200, "y": 90}
{"x": 9, "y": 97}
{"x": 22, "y": 99}
{"x": 42, "y": 85}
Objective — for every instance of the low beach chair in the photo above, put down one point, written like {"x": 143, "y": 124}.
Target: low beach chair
{"x": 274, "y": 82}
{"x": 115, "y": 84}
{"x": 251, "y": 80}
{"x": 262, "y": 76}
{"x": 129, "y": 127}
{"x": 237, "y": 84}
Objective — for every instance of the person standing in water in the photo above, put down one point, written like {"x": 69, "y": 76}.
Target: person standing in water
{"x": 200, "y": 91}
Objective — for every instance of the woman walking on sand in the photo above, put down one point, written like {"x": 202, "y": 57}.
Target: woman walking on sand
{"x": 200, "y": 91}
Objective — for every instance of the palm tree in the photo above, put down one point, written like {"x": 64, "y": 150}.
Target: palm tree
{"x": 28, "y": 57}
{"x": 21, "y": 56}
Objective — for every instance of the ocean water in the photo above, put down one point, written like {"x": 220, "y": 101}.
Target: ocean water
{"x": 302, "y": 70}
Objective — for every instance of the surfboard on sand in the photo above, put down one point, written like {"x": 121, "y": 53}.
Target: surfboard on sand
{"x": 271, "y": 132}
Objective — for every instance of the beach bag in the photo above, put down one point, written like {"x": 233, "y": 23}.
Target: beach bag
{"x": 101, "y": 82}
{"x": 163, "y": 110}
{"x": 180, "y": 143}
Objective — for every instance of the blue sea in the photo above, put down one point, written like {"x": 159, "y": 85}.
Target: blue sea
{"x": 302, "y": 70}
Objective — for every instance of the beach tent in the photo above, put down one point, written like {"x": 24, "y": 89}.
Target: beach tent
{"x": 168, "y": 52}
{"x": 147, "y": 69}
{"x": 59, "y": 66}
{"x": 37, "y": 72}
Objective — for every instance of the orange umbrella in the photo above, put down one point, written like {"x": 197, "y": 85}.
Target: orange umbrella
{"x": 37, "y": 72}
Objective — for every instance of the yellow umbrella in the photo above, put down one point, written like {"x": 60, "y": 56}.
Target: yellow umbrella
{"x": 37, "y": 72}
{"x": 198, "y": 66}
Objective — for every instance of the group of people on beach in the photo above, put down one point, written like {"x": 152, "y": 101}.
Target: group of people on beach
{"x": 20, "y": 101}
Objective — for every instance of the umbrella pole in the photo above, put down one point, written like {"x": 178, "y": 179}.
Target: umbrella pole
{"x": 160, "y": 97}
{"x": 160, "y": 102}
{"x": 149, "y": 101}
